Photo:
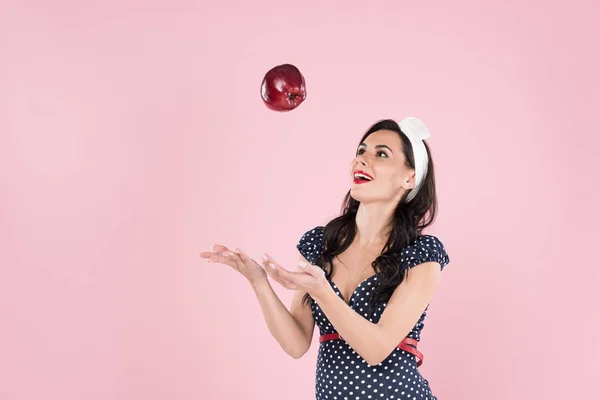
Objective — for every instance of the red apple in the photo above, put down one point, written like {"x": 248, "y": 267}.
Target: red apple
{"x": 282, "y": 88}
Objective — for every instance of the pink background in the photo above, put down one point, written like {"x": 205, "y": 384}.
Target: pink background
{"x": 132, "y": 136}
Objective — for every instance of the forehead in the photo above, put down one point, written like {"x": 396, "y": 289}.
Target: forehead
{"x": 388, "y": 138}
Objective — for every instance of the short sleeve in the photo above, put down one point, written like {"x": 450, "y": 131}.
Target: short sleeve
{"x": 426, "y": 248}
{"x": 311, "y": 244}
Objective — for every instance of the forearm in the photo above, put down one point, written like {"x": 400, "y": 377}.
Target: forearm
{"x": 281, "y": 323}
{"x": 365, "y": 337}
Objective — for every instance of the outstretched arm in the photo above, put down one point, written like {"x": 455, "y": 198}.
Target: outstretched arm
{"x": 293, "y": 329}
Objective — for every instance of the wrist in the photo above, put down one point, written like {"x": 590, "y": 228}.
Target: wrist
{"x": 322, "y": 294}
{"x": 260, "y": 283}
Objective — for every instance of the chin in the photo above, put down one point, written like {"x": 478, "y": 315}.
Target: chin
{"x": 370, "y": 196}
{"x": 358, "y": 194}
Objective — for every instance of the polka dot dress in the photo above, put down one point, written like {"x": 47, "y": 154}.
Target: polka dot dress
{"x": 342, "y": 374}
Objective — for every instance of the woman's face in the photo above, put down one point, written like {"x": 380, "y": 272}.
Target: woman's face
{"x": 379, "y": 171}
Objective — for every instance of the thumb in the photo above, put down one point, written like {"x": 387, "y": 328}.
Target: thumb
{"x": 302, "y": 266}
{"x": 311, "y": 269}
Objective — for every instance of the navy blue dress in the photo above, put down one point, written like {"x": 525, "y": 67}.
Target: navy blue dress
{"x": 342, "y": 374}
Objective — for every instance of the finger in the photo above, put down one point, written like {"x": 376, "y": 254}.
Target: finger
{"x": 219, "y": 248}
{"x": 292, "y": 280}
{"x": 302, "y": 266}
{"x": 266, "y": 258}
{"x": 211, "y": 255}
{"x": 272, "y": 273}
{"x": 266, "y": 261}
{"x": 288, "y": 275}
{"x": 270, "y": 264}
{"x": 245, "y": 263}
{"x": 234, "y": 258}
{"x": 313, "y": 270}
{"x": 245, "y": 258}
{"x": 224, "y": 258}
{"x": 272, "y": 270}
{"x": 215, "y": 249}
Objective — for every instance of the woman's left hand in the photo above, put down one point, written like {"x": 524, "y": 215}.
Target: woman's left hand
{"x": 309, "y": 278}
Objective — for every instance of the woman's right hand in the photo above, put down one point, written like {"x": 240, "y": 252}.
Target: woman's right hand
{"x": 238, "y": 260}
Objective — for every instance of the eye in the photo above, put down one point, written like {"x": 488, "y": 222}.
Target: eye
{"x": 382, "y": 153}
{"x": 360, "y": 151}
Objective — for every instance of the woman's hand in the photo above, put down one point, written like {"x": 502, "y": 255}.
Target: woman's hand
{"x": 238, "y": 260}
{"x": 309, "y": 278}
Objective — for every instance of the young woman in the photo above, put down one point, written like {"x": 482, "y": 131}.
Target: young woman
{"x": 366, "y": 278}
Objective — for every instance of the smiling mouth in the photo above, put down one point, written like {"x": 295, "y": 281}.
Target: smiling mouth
{"x": 361, "y": 177}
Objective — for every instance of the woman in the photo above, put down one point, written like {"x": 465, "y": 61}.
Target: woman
{"x": 370, "y": 319}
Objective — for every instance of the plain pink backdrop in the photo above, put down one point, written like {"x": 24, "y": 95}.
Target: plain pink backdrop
{"x": 132, "y": 137}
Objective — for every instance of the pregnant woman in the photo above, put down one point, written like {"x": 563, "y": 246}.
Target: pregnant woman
{"x": 366, "y": 278}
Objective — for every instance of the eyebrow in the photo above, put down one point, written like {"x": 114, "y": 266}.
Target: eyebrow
{"x": 379, "y": 146}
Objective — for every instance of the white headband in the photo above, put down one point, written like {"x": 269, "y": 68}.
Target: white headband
{"x": 416, "y": 131}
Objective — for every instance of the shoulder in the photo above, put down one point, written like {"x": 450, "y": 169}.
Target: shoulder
{"x": 310, "y": 244}
{"x": 426, "y": 248}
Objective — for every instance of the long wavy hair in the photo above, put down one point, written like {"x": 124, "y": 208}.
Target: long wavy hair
{"x": 409, "y": 219}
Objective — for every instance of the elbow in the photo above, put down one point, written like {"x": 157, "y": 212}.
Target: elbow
{"x": 380, "y": 351}
{"x": 373, "y": 362}
{"x": 297, "y": 353}
{"x": 377, "y": 357}
{"x": 297, "y": 347}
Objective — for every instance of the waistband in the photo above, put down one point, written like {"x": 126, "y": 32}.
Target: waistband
{"x": 407, "y": 344}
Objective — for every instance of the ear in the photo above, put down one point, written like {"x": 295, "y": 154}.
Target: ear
{"x": 410, "y": 181}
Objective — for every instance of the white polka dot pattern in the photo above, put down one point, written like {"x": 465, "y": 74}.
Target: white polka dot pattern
{"x": 342, "y": 374}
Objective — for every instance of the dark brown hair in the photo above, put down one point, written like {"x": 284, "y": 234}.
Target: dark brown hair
{"x": 410, "y": 218}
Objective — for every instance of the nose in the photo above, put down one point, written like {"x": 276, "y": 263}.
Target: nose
{"x": 360, "y": 160}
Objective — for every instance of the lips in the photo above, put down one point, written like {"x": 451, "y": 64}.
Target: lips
{"x": 362, "y": 177}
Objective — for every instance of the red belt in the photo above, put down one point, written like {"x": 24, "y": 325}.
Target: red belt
{"x": 407, "y": 344}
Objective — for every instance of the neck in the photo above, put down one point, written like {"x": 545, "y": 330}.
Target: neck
{"x": 374, "y": 223}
